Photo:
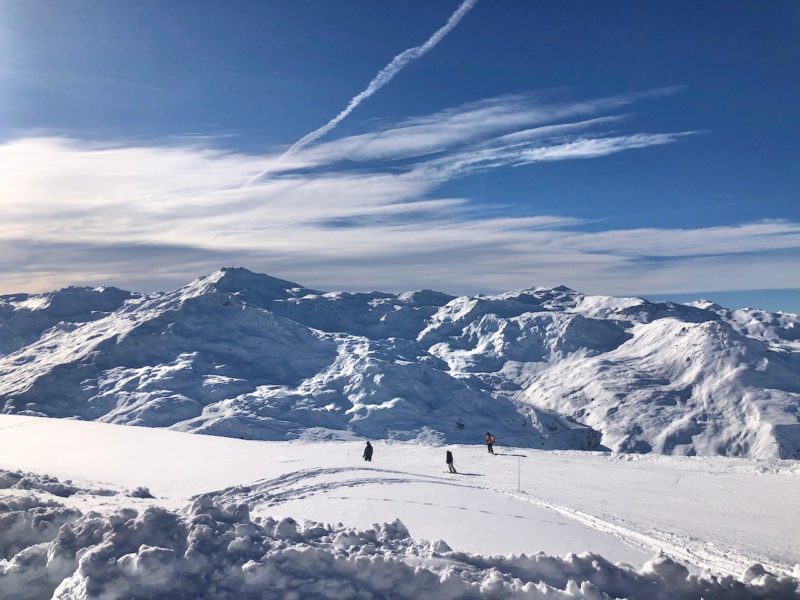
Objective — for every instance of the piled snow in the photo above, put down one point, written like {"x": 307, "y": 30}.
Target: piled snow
{"x": 247, "y": 355}
{"x": 31, "y": 481}
{"x": 218, "y": 552}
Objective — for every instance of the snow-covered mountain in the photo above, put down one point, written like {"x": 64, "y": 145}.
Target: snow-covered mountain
{"x": 23, "y": 317}
{"x": 246, "y": 355}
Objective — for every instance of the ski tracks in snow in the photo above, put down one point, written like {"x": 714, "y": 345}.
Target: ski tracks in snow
{"x": 315, "y": 481}
{"x": 302, "y": 484}
{"x": 703, "y": 555}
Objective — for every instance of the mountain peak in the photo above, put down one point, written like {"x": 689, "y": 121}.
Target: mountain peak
{"x": 706, "y": 305}
{"x": 255, "y": 288}
{"x": 231, "y": 277}
{"x": 238, "y": 279}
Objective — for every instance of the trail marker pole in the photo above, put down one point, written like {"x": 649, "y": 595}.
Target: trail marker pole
{"x": 519, "y": 468}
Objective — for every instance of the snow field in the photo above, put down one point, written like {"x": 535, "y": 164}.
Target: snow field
{"x": 713, "y": 518}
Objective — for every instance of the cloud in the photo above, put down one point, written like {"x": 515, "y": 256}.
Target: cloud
{"x": 384, "y": 76}
{"x": 531, "y": 152}
{"x": 475, "y": 121}
{"x": 155, "y": 216}
{"x": 47, "y": 264}
{"x": 761, "y": 236}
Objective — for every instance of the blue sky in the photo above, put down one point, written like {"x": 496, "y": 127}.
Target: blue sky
{"x": 620, "y": 148}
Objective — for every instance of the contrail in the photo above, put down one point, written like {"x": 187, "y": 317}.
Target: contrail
{"x": 381, "y": 79}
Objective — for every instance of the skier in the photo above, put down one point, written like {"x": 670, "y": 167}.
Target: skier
{"x": 368, "y": 452}
{"x": 449, "y": 460}
{"x": 490, "y": 442}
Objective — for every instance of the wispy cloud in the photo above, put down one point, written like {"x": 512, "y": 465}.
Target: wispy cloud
{"x": 534, "y": 151}
{"x": 384, "y": 76}
{"x": 510, "y": 117}
{"x": 361, "y": 211}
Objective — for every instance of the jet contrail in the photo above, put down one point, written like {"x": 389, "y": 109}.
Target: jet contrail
{"x": 381, "y": 79}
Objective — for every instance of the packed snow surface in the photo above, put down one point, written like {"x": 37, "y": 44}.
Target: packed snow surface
{"x": 93, "y": 510}
{"x": 246, "y": 355}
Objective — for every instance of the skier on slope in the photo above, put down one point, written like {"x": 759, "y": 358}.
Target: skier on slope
{"x": 448, "y": 458}
{"x": 490, "y": 442}
{"x": 368, "y": 452}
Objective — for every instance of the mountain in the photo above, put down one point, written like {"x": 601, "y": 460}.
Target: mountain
{"x": 241, "y": 354}
{"x": 23, "y": 317}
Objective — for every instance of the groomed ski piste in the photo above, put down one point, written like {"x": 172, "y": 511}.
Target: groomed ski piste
{"x": 97, "y": 510}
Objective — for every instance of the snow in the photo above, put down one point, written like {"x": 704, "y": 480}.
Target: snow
{"x": 780, "y": 330}
{"x": 219, "y": 552}
{"x": 674, "y": 384}
{"x": 24, "y": 317}
{"x": 640, "y": 526}
{"x": 617, "y": 423}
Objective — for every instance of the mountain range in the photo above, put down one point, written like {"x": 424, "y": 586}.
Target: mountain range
{"x": 242, "y": 354}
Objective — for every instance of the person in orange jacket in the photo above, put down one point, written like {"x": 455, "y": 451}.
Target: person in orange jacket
{"x": 490, "y": 442}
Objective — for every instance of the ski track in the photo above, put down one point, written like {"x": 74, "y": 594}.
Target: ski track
{"x": 20, "y": 424}
{"x": 703, "y": 555}
{"x": 268, "y": 492}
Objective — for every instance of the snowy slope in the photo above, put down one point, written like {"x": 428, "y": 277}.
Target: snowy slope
{"x": 246, "y": 355}
{"x": 780, "y": 330}
{"x": 651, "y": 376}
{"x": 24, "y": 317}
{"x": 682, "y": 388}
{"x": 245, "y": 519}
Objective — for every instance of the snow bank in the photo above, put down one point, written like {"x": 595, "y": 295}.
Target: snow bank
{"x": 44, "y": 483}
{"x": 209, "y": 551}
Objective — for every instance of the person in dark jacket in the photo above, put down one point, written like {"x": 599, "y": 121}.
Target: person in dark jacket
{"x": 368, "y": 452}
{"x": 449, "y": 460}
{"x": 490, "y": 442}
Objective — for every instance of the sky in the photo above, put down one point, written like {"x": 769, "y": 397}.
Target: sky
{"x": 621, "y": 148}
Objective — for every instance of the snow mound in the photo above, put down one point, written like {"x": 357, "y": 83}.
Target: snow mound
{"x": 241, "y": 354}
{"x": 16, "y": 480}
{"x": 219, "y": 552}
